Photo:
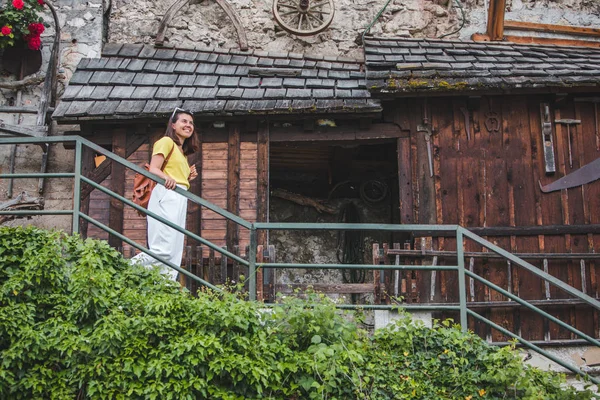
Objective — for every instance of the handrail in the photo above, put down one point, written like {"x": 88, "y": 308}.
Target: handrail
{"x": 533, "y": 347}
{"x": 461, "y": 234}
{"x": 536, "y": 271}
{"x": 165, "y": 221}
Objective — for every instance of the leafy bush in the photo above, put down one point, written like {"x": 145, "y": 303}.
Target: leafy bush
{"x": 78, "y": 321}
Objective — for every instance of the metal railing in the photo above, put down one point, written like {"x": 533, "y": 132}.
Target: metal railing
{"x": 461, "y": 234}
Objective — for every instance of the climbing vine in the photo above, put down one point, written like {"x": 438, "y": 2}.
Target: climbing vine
{"x": 78, "y": 321}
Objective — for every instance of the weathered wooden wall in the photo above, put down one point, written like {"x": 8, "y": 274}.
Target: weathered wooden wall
{"x": 491, "y": 180}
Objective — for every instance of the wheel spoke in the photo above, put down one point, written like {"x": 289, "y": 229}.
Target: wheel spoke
{"x": 300, "y": 22}
{"x": 319, "y": 4}
{"x": 319, "y": 21}
{"x": 287, "y": 6}
{"x": 289, "y": 21}
{"x": 288, "y": 13}
{"x": 308, "y": 22}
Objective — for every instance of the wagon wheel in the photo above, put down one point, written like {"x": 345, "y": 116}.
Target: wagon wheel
{"x": 303, "y": 17}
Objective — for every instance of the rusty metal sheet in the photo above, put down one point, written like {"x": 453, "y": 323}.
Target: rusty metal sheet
{"x": 586, "y": 174}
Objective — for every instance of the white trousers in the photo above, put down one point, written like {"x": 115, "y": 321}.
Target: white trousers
{"x": 163, "y": 240}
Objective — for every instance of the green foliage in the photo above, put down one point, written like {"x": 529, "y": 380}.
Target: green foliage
{"x": 78, "y": 321}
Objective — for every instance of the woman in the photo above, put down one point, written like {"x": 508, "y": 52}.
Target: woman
{"x": 179, "y": 141}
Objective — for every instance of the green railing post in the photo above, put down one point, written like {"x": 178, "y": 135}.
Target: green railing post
{"x": 252, "y": 264}
{"x": 462, "y": 291}
{"x": 77, "y": 187}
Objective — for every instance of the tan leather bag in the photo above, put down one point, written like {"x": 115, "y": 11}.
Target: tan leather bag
{"x": 143, "y": 186}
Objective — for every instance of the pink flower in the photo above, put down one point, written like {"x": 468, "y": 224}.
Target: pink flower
{"x": 34, "y": 43}
{"x": 36, "y": 28}
{"x": 18, "y": 4}
{"x": 6, "y": 30}
{"x": 40, "y": 2}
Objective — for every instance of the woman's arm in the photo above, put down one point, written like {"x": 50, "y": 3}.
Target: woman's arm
{"x": 155, "y": 164}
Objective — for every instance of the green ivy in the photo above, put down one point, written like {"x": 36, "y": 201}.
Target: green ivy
{"x": 78, "y": 321}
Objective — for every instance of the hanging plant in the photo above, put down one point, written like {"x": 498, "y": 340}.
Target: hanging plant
{"x": 20, "y": 23}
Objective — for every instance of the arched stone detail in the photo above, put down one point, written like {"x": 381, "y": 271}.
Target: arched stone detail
{"x": 178, "y": 4}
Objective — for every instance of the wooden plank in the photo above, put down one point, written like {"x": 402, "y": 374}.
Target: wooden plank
{"x": 215, "y": 146}
{"x": 250, "y": 215}
{"x": 405, "y": 194}
{"x": 376, "y": 274}
{"x": 87, "y": 165}
{"x": 526, "y": 285}
{"x": 249, "y": 174}
{"x": 376, "y": 131}
{"x": 248, "y": 194}
{"x": 214, "y": 224}
{"x": 119, "y": 145}
{"x": 214, "y": 184}
{"x": 587, "y": 152}
{"x": 446, "y": 199}
{"x": 328, "y": 288}
{"x": 215, "y": 165}
{"x": 559, "y": 244}
{"x": 213, "y": 155}
{"x": 245, "y": 146}
{"x": 551, "y": 41}
{"x": 219, "y": 174}
{"x": 552, "y": 28}
{"x": 260, "y": 294}
{"x": 246, "y": 204}
{"x": 233, "y": 183}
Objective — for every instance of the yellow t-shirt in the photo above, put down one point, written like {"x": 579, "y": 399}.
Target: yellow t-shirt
{"x": 177, "y": 167}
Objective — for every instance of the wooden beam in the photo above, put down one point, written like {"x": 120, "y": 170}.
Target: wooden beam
{"x": 495, "y": 25}
{"x": 29, "y": 81}
{"x": 405, "y": 193}
{"x": 551, "y": 41}
{"x": 329, "y": 288}
{"x": 233, "y": 184}
{"x": 117, "y": 183}
{"x": 262, "y": 189}
{"x": 583, "y": 229}
{"x": 374, "y": 131}
{"x": 87, "y": 165}
{"x": 550, "y": 28}
{"x": 103, "y": 171}
{"x": 194, "y": 219}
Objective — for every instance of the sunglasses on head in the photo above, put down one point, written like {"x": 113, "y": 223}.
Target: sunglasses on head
{"x": 179, "y": 110}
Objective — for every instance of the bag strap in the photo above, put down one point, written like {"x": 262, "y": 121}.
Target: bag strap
{"x": 169, "y": 156}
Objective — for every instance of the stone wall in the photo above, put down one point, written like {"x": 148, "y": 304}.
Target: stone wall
{"x": 204, "y": 23}
{"x": 81, "y": 36}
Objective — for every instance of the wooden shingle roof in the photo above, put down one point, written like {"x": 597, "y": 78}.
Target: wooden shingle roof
{"x": 400, "y": 66}
{"x": 140, "y": 81}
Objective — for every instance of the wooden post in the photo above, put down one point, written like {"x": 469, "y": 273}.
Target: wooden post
{"x": 119, "y": 146}
{"x": 376, "y": 274}
{"x": 386, "y": 275}
{"x": 194, "y": 219}
{"x": 260, "y": 296}
{"x": 87, "y": 165}
{"x": 405, "y": 181}
{"x": 233, "y": 184}
{"x": 262, "y": 190}
{"x": 495, "y": 25}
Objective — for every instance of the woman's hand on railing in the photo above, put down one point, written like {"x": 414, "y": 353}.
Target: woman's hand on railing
{"x": 170, "y": 182}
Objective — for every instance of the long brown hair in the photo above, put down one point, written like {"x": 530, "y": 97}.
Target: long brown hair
{"x": 191, "y": 144}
